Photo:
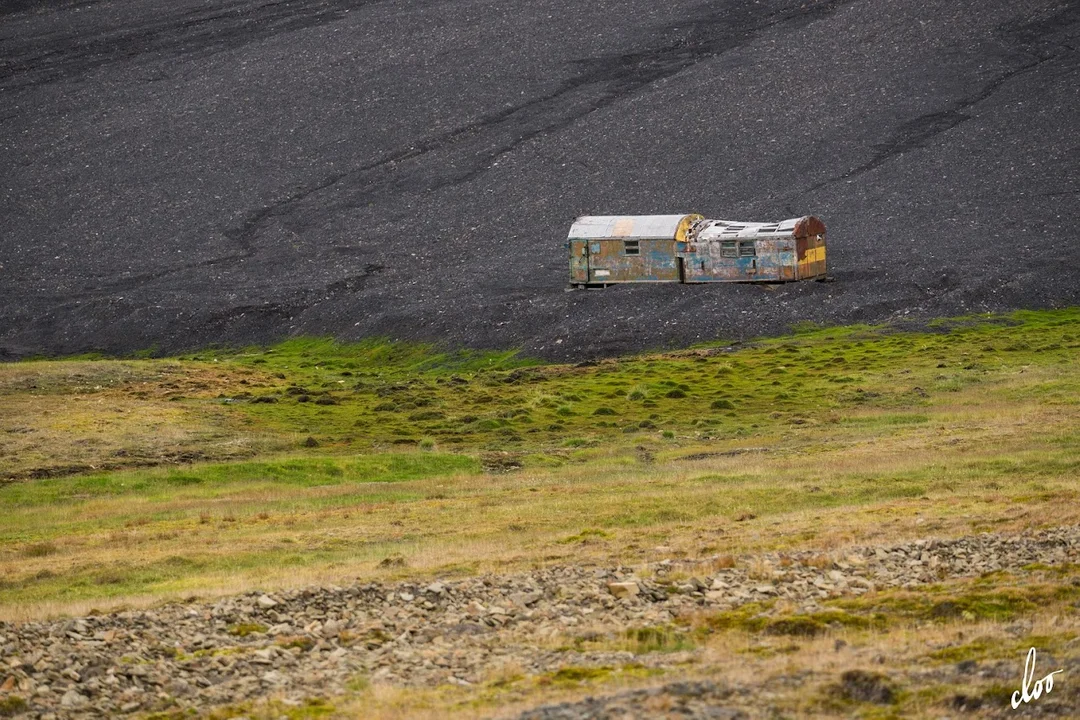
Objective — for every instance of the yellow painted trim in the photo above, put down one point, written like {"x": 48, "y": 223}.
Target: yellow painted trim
{"x": 809, "y": 265}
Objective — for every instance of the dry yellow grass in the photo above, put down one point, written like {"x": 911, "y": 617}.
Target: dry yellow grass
{"x": 61, "y": 417}
{"x": 476, "y": 523}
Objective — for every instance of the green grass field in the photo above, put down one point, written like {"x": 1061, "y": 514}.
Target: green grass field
{"x": 132, "y": 481}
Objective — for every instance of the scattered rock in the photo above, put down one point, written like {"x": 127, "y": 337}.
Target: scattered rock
{"x": 863, "y": 686}
{"x": 298, "y": 643}
{"x": 74, "y": 700}
{"x": 623, "y": 589}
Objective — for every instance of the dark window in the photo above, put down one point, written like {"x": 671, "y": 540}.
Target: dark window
{"x": 728, "y": 248}
{"x": 630, "y": 247}
{"x": 747, "y": 249}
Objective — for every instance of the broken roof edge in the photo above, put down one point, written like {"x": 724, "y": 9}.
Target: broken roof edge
{"x": 680, "y": 227}
{"x": 792, "y": 227}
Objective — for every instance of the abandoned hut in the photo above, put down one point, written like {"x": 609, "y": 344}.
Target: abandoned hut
{"x": 607, "y": 249}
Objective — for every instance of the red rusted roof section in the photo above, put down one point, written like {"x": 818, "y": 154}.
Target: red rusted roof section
{"x": 808, "y": 227}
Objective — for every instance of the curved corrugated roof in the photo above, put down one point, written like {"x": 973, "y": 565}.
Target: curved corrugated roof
{"x": 628, "y": 226}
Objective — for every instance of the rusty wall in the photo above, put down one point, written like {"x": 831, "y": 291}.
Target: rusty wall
{"x": 613, "y": 261}
{"x": 811, "y": 256}
{"x": 579, "y": 261}
{"x": 740, "y": 260}
{"x": 742, "y": 255}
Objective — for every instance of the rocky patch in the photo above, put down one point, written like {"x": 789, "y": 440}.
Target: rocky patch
{"x": 296, "y": 644}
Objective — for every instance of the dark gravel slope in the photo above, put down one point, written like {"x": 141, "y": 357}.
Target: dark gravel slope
{"x": 186, "y": 173}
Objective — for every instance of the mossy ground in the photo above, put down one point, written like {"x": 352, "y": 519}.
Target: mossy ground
{"x": 456, "y": 462}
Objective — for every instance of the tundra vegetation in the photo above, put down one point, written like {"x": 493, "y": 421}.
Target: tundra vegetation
{"x": 132, "y": 482}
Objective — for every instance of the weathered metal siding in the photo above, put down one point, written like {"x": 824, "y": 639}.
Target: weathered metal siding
{"x": 735, "y": 260}
{"x": 618, "y": 261}
{"x": 809, "y": 235}
{"x": 579, "y": 261}
{"x": 687, "y": 248}
{"x": 606, "y": 249}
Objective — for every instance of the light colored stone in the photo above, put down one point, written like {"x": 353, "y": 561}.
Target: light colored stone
{"x": 273, "y": 677}
{"x": 526, "y": 599}
{"x": 628, "y": 588}
{"x": 74, "y": 700}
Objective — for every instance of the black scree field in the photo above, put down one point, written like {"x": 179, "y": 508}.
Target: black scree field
{"x": 190, "y": 173}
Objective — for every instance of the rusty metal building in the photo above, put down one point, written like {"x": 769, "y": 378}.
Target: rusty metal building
{"x": 606, "y": 250}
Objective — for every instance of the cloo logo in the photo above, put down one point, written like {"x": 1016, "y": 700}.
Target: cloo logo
{"x": 1029, "y": 691}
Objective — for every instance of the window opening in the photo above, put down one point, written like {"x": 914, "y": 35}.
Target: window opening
{"x": 630, "y": 247}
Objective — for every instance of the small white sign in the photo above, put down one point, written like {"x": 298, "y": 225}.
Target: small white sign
{"x": 601, "y": 273}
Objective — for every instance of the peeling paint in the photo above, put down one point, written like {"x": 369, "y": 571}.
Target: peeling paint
{"x": 688, "y": 248}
